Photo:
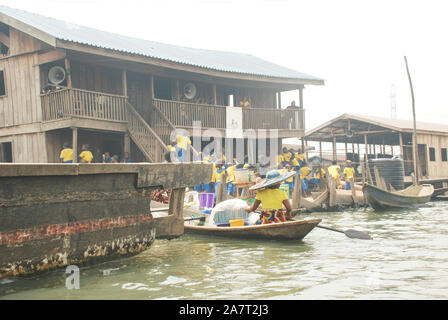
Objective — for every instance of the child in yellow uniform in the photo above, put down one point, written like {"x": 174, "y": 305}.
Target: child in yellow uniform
{"x": 335, "y": 170}
{"x": 217, "y": 175}
{"x": 86, "y": 155}
{"x": 182, "y": 147}
{"x": 272, "y": 198}
{"x": 280, "y": 159}
{"x": 66, "y": 155}
{"x": 290, "y": 181}
{"x": 287, "y": 155}
{"x": 349, "y": 172}
{"x": 231, "y": 189}
{"x": 319, "y": 174}
{"x": 304, "y": 173}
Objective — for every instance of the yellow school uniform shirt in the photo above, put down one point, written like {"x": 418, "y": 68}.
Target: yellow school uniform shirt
{"x": 290, "y": 179}
{"x": 171, "y": 148}
{"x": 183, "y": 142}
{"x": 287, "y": 156}
{"x": 86, "y": 156}
{"x": 231, "y": 174}
{"x": 334, "y": 171}
{"x": 217, "y": 176}
{"x": 271, "y": 198}
{"x": 299, "y": 156}
{"x": 295, "y": 162}
{"x": 280, "y": 159}
{"x": 66, "y": 154}
{"x": 321, "y": 174}
{"x": 349, "y": 172}
{"x": 304, "y": 172}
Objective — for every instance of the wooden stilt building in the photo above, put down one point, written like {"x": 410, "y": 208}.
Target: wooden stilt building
{"x": 124, "y": 94}
{"x": 375, "y": 137}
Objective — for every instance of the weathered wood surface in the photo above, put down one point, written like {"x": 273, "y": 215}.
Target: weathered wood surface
{"x": 290, "y": 230}
{"x": 58, "y": 214}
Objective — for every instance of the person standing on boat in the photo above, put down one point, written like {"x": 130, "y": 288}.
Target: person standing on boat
{"x": 272, "y": 198}
{"x": 349, "y": 172}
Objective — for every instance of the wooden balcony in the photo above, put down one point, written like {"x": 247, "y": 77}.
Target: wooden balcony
{"x": 183, "y": 114}
{"x": 106, "y": 110}
{"x": 66, "y": 103}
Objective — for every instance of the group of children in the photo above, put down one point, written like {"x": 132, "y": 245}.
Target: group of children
{"x": 86, "y": 156}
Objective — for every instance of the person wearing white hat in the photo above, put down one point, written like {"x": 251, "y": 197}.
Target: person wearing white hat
{"x": 272, "y": 198}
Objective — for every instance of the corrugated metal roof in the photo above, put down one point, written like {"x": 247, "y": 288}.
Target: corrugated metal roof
{"x": 393, "y": 124}
{"x": 210, "y": 59}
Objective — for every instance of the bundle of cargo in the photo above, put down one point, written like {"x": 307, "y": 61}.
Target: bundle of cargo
{"x": 225, "y": 212}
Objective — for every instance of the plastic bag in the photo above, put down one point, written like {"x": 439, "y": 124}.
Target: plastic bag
{"x": 228, "y": 210}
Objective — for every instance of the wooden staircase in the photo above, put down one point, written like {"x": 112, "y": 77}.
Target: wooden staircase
{"x": 146, "y": 139}
{"x": 152, "y": 139}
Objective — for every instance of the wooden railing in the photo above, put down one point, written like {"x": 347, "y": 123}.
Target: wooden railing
{"x": 182, "y": 114}
{"x": 285, "y": 119}
{"x": 144, "y": 136}
{"x": 69, "y": 102}
{"x": 161, "y": 125}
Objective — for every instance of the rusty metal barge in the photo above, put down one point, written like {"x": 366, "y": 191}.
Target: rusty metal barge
{"x": 54, "y": 215}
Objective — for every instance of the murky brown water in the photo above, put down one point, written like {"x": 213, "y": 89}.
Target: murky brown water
{"x": 407, "y": 259}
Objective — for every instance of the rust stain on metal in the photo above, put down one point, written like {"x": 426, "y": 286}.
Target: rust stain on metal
{"x": 55, "y": 230}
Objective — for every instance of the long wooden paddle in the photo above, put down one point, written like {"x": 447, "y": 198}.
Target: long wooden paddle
{"x": 354, "y": 234}
{"x": 195, "y": 218}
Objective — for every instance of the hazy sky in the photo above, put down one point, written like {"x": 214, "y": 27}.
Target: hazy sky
{"x": 357, "y": 47}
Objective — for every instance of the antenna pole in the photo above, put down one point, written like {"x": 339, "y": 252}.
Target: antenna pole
{"x": 414, "y": 135}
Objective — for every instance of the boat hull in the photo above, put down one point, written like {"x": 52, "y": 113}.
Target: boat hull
{"x": 381, "y": 199}
{"x": 55, "y": 215}
{"x": 289, "y": 230}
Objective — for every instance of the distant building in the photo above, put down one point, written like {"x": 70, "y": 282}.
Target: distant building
{"x": 377, "y": 135}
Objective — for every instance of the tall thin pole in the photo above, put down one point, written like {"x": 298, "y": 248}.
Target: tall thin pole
{"x": 414, "y": 134}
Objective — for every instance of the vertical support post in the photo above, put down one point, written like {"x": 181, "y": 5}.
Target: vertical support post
{"x": 176, "y": 205}
{"x": 346, "y": 151}
{"x": 124, "y": 81}
{"x": 366, "y": 155}
{"x": 401, "y": 146}
{"x": 352, "y": 184}
{"x": 177, "y": 89}
{"x": 127, "y": 143}
{"x": 151, "y": 86}
{"x": 215, "y": 97}
{"x": 279, "y": 99}
{"x": 334, "y": 149}
{"x": 75, "y": 144}
{"x": 68, "y": 71}
{"x": 296, "y": 193}
{"x": 320, "y": 151}
{"x": 332, "y": 191}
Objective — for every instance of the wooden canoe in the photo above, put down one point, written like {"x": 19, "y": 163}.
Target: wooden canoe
{"x": 289, "y": 230}
{"x": 439, "y": 192}
{"x": 314, "y": 204}
{"x": 412, "y": 196}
